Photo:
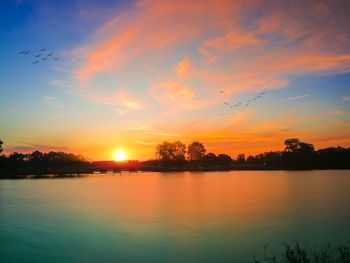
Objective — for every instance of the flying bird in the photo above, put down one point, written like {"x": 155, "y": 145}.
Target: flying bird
{"x": 37, "y": 56}
{"x": 22, "y": 52}
{"x": 227, "y": 103}
{"x": 27, "y": 52}
{"x": 42, "y": 50}
{"x": 36, "y": 62}
{"x": 50, "y": 54}
{"x": 44, "y": 59}
{"x": 221, "y": 91}
{"x": 262, "y": 92}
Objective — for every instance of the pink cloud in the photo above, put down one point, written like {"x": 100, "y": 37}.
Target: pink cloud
{"x": 246, "y": 53}
{"x": 151, "y": 26}
{"x": 230, "y": 41}
{"x": 182, "y": 68}
{"x": 175, "y": 96}
{"x": 346, "y": 98}
{"x": 336, "y": 112}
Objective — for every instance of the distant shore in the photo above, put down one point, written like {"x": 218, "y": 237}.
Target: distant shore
{"x": 84, "y": 173}
{"x": 175, "y": 157}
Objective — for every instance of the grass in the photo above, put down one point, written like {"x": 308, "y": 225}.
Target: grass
{"x": 297, "y": 254}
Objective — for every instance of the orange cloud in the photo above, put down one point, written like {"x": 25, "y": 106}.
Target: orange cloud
{"x": 151, "y": 26}
{"x": 234, "y": 46}
{"x": 336, "y": 113}
{"x": 154, "y": 30}
{"x": 230, "y": 41}
{"x": 182, "y": 68}
{"x": 175, "y": 96}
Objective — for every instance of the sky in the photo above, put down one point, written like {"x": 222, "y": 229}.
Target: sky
{"x": 132, "y": 74}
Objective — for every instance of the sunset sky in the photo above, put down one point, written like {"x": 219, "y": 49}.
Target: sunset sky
{"x": 134, "y": 74}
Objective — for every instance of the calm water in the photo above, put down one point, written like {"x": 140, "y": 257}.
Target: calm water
{"x": 171, "y": 217}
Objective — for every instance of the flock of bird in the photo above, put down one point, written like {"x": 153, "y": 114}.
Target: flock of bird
{"x": 41, "y": 56}
{"x": 241, "y": 104}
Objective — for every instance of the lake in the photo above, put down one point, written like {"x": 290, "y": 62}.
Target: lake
{"x": 171, "y": 217}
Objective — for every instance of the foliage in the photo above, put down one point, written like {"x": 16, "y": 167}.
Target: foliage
{"x": 42, "y": 160}
{"x": 294, "y": 145}
{"x": 195, "y": 151}
{"x": 297, "y": 254}
{"x": 301, "y": 155}
{"x": 241, "y": 158}
{"x": 171, "y": 156}
{"x": 171, "y": 151}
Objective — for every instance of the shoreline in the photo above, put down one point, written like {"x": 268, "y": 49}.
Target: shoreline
{"x": 81, "y": 174}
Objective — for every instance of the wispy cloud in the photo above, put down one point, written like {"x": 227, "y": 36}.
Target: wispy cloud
{"x": 30, "y": 147}
{"x": 336, "y": 112}
{"x": 152, "y": 130}
{"x": 182, "y": 68}
{"x": 346, "y": 98}
{"x": 176, "y": 96}
{"x": 297, "y": 97}
{"x": 264, "y": 55}
{"x": 53, "y": 102}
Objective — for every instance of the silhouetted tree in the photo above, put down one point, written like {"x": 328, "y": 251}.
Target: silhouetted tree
{"x": 36, "y": 157}
{"x": 241, "y": 158}
{"x": 298, "y": 155}
{"x": 294, "y": 145}
{"x": 1, "y": 143}
{"x": 167, "y": 151}
{"x": 333, "y": 157}
{"x": 179, "y": 150}
{"x": 210, "y": 160}
{"x": 164, "y": 151}
{"x": 224, "y": 159}
{"x": 195, "y": 151}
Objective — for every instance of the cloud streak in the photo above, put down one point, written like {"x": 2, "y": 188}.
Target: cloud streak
{"x": 250, "y": 58}
{"x": 298, "y": 97}
{"x": 53, "y": 102}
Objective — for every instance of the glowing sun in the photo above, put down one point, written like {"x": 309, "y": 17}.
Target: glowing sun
{"x": 119, "y": 155}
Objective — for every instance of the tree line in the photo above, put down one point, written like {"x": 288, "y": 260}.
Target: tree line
{"x": 176, "y": 156}
{"x": 39, "y": 162}
{"x": 295, "y": 155}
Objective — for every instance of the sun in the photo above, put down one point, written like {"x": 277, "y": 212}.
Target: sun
{"x": 119, "y": 155}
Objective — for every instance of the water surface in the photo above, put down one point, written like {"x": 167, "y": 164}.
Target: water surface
{"x": 171, "y": 217}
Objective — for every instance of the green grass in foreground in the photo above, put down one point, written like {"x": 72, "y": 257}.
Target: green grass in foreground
{"x": 297, "y": 254}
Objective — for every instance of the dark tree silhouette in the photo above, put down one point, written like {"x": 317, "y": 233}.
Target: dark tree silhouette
{"x": 294, "y": 145}
{"x": 167, "y": 151}
{"x": 36, "y": 157}
{"x": 171, "y": 157}
{"x": 224, "y": 159}
{"x": 195, "y": 151}
{"x": 333, "y": 157}
{"x": 210, "y": 160}
{"x": 298, "y": 154}
{"x": 164, "y": 151}
{"x": 179, "y": 150}
{"x": 241, "y": 158}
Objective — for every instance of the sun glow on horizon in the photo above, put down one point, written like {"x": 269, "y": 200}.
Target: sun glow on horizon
{"x": 119, "y": 155}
